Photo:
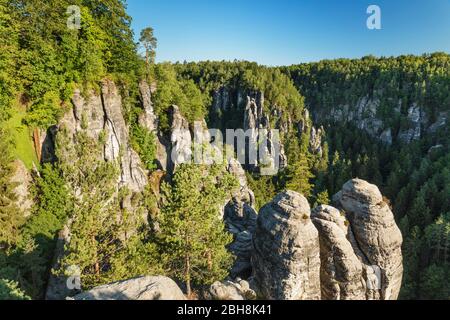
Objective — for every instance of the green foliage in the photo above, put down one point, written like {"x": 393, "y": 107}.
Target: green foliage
{"x": 172, "y": 90}
{"x": 48, "y": 57}
{"x": 11, "y": 217}
{"x": 149, "y": 41}
{"x": 192, "y": 238}
{"x": 264, "y": 188}
{"x": 23, "y": 146}
{"x": 434, "y": 283}
{"x": 45, "y": 112}
{"x": 421, "y": 79}
{"x": 52, "y": 207}
{"x": 108, "y": 242}
{"x": 323, "y": 198}
{"x": 144, "y": 143}
{"x": 9, "y": 290}
{"x": 415, "y": 180}
{"x": 8, "y": 59}
{"x": 242, "y": 77}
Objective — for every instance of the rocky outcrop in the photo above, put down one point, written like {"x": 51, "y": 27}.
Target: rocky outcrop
{"x": 286, "y": 260}
{"x": 352, "y": 252}
{"x": 229, "y": 103}
{"x": 416, "y": 119}
{"x": 255, "y": 119}
{"x": 341, "y": 272}
{"x": 145, "y": 288}
{"x": 100, "y": 116}
{"x": 240, "y": 220}
{"x": 148, "y": 118}
{"x": 181, "y": 139}
{"x": 229, "y": 290}
{"x": 441, "y": 121}
{"x": 365, "y": 116}
{"x": 377, "y": 239}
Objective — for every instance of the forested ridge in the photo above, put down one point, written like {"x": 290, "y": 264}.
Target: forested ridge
{"x": 170, "y": 228}
{"x": 415, "y": 176}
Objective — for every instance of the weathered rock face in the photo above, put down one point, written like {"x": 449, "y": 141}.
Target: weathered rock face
{"x": 148, "y": 118}
{"x": 181, "y": 139}
{"x": 101, "y": 115}
{"x": 365, "y": 116}
{"x": 359, "y": 248}
{"x": 228, "y": 101}
{"x": 285, "y": 260}
{"x": 145, "y": 288}
{"x": 416, "y": 118}
{"x": 228, "y": 290}
{"x": 441, "y": 121}
{"x": 240, "y": 220}
{"x": 376, "y": 236}
{"x": 341, "y": 272}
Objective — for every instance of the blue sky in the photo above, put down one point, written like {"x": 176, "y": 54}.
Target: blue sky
{"x": 284, "y": 32}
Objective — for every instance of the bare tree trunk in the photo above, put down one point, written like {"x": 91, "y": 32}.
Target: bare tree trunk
{"x": 188, "y": 276}
{"x": 37, "y": 144}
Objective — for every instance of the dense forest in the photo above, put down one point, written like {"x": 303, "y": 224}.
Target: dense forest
{"x": 415, "y": 176}
{"x": 43, "y": 63}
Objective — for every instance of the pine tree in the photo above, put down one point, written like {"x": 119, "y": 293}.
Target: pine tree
{"x": 108, "y": 242}
{"x": 150, "y": 43}
{"x": 192, "y": 236}
{"x": 299, "y": 177}
{"x": 299, "y": 172}
{"x": 323, "y": 198}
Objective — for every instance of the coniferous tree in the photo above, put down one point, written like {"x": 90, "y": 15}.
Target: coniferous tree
{"x": 149, "y": 41}
{"x": 192, "y": 236}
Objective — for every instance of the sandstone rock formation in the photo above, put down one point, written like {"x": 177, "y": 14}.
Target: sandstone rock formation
{"x": 148, "y": 118}
{"x": 145, "y": 288}
{"x": 416, "y": 118}
{"x": 240, "y": 220}
{"x": 341, "y": 272}
{"x": 359, "y": 248}
{"x": 376, "y": 235}
{"x": 228, "y": 290}
{"x": 181, "y": 139}
{"x": 236, "y": 101}
{"x": 285, "y": 260}
{"x": 365, "y": 116}
{"x": 101, "y": 115}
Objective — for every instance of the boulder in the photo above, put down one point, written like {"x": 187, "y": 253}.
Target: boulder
{"x": 144, "y": 288}
{"x": 285, "y": 259}
{"x": 229, "y": 290}
{"x": 376, "y": 235}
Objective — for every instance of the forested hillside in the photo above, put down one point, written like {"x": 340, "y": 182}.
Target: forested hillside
{"x": 411, "y": 167}
{"x": 87, "y": 126}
